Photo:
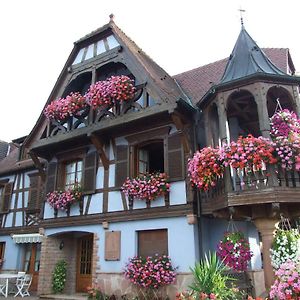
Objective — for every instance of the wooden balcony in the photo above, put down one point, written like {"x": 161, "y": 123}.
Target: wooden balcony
{"x": 252, "y": 193}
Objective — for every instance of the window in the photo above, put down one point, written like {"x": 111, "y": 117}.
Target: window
{"x": 151, "y": 242}
{"x": 150, "y": 158}
{"x": 73, "y": 174}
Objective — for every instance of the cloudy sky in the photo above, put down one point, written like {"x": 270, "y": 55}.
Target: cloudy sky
{"x": 37, "y": 37}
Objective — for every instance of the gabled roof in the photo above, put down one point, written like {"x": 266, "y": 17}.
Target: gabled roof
{"x": 198, "y": 81}
{"x": 247, "y": 59}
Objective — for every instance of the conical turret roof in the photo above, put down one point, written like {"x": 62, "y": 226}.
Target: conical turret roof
{"x": 247, "y": 59}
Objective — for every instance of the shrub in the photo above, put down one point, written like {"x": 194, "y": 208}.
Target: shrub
{"x": 59, "y": 276}
{"x": 210, "y": 282}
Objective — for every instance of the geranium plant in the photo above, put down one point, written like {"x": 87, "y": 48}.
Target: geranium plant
{"x": 63, "y": 199}
{"x": 234, "y": 251}
{"x": 287, "y": 282}
{"x": 206, "y": 167}
{"x": 64, "y": 108}
{"x": 249, "y": 153}
{"x": 111, "y": 91}
{"x": 285, "y": 247}
{"x": 146, "y": 187}
{"x": 150, "y": 272}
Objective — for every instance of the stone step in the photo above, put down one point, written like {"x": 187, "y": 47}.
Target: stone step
{"x": 64, "y": 297}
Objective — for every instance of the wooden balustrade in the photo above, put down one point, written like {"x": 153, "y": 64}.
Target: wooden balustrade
{"x": 272, "y": 178}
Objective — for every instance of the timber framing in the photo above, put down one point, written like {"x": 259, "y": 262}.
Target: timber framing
{"x": 38, "y": 165}
{"x": 100, "y": 148}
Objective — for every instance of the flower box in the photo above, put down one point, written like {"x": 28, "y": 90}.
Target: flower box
{"x": 146, "y": 187}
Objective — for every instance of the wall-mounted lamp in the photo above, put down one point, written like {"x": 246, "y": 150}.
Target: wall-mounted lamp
{"x": 61, "y": 245}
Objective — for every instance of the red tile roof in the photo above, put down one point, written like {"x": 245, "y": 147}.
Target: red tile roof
{"x": 198, "y": 81}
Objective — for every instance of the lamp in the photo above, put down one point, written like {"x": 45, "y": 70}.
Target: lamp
{"x": 61, "y": 245}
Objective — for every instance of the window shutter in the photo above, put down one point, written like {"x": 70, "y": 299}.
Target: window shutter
{"x": 8, "y": 189}
{"x": 51, "y": 177}
{"x": 90, "y": 171}
{"x": 175, "y": 158}
{"x": 121, "y": 164}
{"x": 35, "y": 193}
{"x": 112, "y": 245}
{"x": 151, "y": 242}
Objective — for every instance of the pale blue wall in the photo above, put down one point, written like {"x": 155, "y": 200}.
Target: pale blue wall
{"x": 13, "y": 255}
{"x": 181, "y": 240}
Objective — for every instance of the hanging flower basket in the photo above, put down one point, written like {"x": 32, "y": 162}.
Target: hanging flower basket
{"x": 63, "y": 199}
{"x": 146, "y": 187}
{"x": 234, "y": 251}
{"x": 114, "y": 90}
{"x": 285, "y": 247}
{"x": 284, "y": 123}
{"x": 150, "y": 272}
{"x": 64, "y": 108}
{"x": 205, "y": 168}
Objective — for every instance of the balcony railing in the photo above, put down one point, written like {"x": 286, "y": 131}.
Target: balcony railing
{"x": 233, "y": 183}
{"x": 89, "y": 116}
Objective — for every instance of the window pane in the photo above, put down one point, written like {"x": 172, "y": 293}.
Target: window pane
{"x": 79, "y": 165}
{"x": 70, "y": 179}
{"x": 100, "y": 47}
{"x": 90, "y": 52}
{"x": 78, "y": 58}
{"x": 71, "y": 167}
{"x": 112, "y": 42}
{"x": 79, "y": 175}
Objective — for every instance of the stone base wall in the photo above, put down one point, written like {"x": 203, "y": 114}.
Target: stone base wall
{"x": 258, "y": 282}
{"x": 115, "y": 283}
{"x": 50, "y": 255}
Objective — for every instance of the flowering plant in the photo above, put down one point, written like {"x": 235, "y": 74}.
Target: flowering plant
{"x": 150, "y": 272}
{"x": 63, "y": 108}
{"x": 248, "y": 152}
{"x": 95, "y": 293}
{"x": 284, "y": 123}
{"x": 113, "y": 90}
{"x": 205, "y": 168}
{"x": 187, "y": 295}
{"x": 234, "y": 251}
{"x": 146, "y": 187}
{"x": 287, "y": 282}
{"x": 285, "y": 247}
{"x": 63, "y": 199}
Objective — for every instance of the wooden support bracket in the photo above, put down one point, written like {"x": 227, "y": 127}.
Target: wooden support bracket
{"x": 38, "y": 165}
{"x": 100, "y": 148}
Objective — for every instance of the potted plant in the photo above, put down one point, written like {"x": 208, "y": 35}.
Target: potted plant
{"x": 146, "y": 187}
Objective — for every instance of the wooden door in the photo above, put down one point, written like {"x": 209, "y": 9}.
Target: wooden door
{"x": 84, "y": 263}
{"x": 32, "y": 263}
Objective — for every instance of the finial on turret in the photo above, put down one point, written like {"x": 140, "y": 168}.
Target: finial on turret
{"x": 111, "y": 17}
{"x": 241, "y": 13}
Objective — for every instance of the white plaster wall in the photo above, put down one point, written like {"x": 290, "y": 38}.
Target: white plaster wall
{"x": 115, "y": 201}
{"x": 19, "y": 219}
{"x": 96, "y": 204}
{"x": 99, "y": 178}
{"x": 177, "y": 193}
{"x": 111, "y": 180}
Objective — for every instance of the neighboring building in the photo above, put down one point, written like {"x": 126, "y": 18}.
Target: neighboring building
{"x": 168, "y": 119}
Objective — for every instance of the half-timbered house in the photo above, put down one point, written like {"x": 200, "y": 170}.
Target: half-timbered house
{"x": 156, "y": 131}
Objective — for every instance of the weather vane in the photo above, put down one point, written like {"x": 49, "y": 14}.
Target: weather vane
{"x": 241, "y": 14}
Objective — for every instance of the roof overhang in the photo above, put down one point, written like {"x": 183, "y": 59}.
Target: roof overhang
{"x": 27, "y": 238}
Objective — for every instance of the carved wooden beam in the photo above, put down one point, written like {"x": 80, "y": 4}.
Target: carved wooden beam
{"x": 179, "y": 125}
{"x": 38, "y": 165}
{"x": 100, "y": 148}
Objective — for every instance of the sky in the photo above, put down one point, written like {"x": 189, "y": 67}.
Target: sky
{"x": 37, "y": 37}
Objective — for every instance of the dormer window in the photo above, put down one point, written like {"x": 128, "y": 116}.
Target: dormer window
{"x": 95, "y": 49}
